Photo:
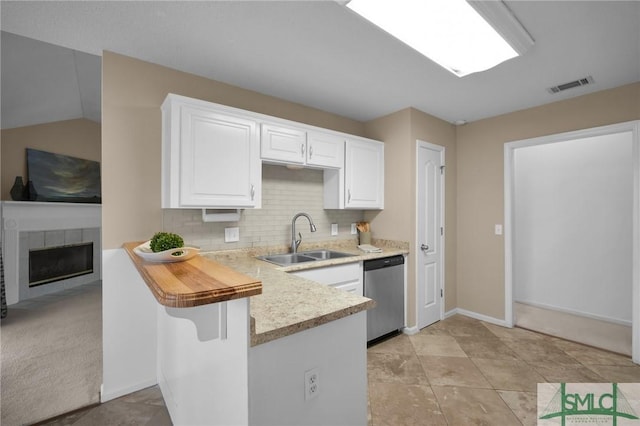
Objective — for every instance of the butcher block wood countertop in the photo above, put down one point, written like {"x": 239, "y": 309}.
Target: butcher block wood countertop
{"x": 194, "y": 282}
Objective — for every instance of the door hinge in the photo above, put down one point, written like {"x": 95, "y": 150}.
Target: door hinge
{"x": 441, "y": 293}
{"x": 442, "y": 170}
{"x": 441, "y": 230}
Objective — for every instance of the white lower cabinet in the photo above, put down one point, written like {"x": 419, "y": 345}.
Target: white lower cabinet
{"x": 347, "y": 277}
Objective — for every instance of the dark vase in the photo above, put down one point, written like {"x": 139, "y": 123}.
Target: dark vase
{"x": 17, "y": 190}
{"x": 32, "y": 194}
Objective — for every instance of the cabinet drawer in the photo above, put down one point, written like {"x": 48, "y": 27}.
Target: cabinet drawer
{"x": 346, "y": 277}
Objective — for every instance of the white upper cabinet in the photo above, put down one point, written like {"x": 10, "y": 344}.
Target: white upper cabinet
{"x": 325, "y": 150}
{"x": 211, "y": 159}
{"x": 283, "y": 144}
{"x": 360, "y": 184}
{"x": 364, "y": 175}
{"x": 290, "y": 145}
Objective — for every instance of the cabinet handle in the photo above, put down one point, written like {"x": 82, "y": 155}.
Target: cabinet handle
{"x": 311, "y": 151}
{"x": 348, "y": 195}
{"x": 302, "y": 149}
{"x": 253, "y": 192}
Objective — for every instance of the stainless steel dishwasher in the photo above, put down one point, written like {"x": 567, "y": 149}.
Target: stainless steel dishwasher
{"x": 384, "y": 283}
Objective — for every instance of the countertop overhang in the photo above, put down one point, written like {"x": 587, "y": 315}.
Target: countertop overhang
{"x": 194, "y": 282}
{"x": 281, "y": 303}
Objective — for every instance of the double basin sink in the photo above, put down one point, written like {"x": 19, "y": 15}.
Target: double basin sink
{"x": 287, "y": 259}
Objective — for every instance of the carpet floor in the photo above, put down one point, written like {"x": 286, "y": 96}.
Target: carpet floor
{"x": 51, "y": 355}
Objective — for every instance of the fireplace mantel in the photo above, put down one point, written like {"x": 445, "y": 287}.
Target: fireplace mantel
{"x": 39, "y": 216}
{"x": 24, "y": 216}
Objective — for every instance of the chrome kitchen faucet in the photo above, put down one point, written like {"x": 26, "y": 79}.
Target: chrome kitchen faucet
{"x": 295, "y": 243}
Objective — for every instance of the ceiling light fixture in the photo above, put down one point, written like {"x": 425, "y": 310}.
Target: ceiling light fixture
{"x": 462, "y": 36}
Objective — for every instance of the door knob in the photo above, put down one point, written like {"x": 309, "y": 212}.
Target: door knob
{"x": 424, "y": 247}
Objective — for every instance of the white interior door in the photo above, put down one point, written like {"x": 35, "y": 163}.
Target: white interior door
{"x": 429, "y": 250}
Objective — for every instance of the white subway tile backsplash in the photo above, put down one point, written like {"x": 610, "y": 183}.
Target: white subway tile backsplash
{"x": 285, "y": 192}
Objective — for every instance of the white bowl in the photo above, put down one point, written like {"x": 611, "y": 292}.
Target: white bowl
{"x": 145, "y": 252}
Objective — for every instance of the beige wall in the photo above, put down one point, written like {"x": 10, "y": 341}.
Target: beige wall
{"x": 397, "y": 221}
{"x": 132, "y": 92}
{"x": 77, "y": 138}
{"x": 394, "y": 222}
{"x": 480, "y": 193}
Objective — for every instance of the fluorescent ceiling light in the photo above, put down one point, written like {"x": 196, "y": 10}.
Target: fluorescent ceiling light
{"x": 452, "y": 33}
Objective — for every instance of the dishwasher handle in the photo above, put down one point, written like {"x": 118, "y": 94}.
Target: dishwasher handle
{"x": 384, "y": 262}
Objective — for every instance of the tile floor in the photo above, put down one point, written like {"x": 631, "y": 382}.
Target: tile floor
{"x": 425, "y": 379}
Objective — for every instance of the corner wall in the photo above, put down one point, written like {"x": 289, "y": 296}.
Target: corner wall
{"x": 480, "y": 183}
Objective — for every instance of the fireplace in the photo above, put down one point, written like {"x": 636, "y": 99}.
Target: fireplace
{"x": 51, "y": 264}
{"x": 49, "y": 247}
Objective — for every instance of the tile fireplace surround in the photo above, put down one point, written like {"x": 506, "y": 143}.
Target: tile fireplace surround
{"x": 30, "y": 225}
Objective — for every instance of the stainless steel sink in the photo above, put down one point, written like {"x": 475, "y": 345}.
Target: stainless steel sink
{"x": 287, "y": 259}
{"x": 326, "y": 254}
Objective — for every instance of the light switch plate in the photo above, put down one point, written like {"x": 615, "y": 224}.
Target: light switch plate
{"x": 334, "y": 229}
{"x": 231, "y": 235}
{"x": 498, "y": 229}
{"x": 354, "y": 231}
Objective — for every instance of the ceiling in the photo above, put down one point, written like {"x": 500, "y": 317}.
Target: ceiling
{"x": 320, "y": 54}
{"x": 43, "y": 83}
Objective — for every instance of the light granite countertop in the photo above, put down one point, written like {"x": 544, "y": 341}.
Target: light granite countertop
{"x": 288, "y": 303}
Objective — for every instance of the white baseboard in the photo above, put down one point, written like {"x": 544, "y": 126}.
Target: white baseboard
{"x": 450, "y": 313}
{"x": 482, "y": 317}
{"x": 113, "y": 394}
{"x": 576, "y": 312}
{"x": 411, "y": 330}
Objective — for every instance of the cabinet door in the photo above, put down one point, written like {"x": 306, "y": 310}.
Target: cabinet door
{"x": 325, "y": 150}
{"x": 219, "y": 160}
{"x": 283, "y": 144}
{"x": 364, "y": 174}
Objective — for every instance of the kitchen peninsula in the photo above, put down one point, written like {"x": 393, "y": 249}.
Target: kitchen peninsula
{"x": 243, "y": 360}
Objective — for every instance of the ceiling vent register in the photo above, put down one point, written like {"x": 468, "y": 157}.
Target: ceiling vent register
{"x": 570, "y": 85}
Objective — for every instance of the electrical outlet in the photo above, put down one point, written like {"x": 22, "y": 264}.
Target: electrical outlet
{"x": 334, "y": 229}
{"x": 231, "y": 235}
{"x": 354, "y": 231}
{"x": 311, "y": 384}
{"x": 498, "y": 229}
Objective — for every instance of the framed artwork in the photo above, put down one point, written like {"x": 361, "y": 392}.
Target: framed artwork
{"x": 61, "y": 178}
